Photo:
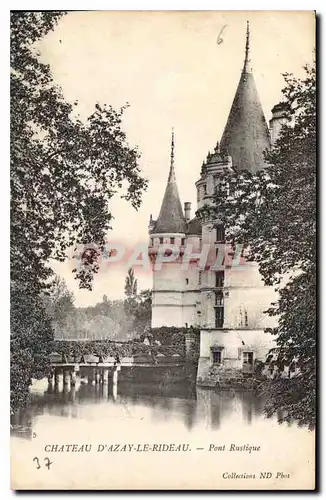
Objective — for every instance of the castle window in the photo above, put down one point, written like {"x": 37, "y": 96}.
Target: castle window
{"x": 220, "y": 248}
{"x": 219, "y": 300}
{"x": 247, "y": 362}
{"x": 183, "y": 241}
{"x": 172, "y": 240}
{"x": 152, "y": 241}
{"x": 246, "y": 318}
{"x": 161, "y": 241}
{"x": 217, "y": 357}
{"x": 248, "y": 357}
{"x": 219, "y": 279}
{"x": 220, "y": 233}
{"x": 204, "y": 189}
{"x": 219, "y": 317}
{"x": 199, "y": 277}
{"x": 187, "y": 281}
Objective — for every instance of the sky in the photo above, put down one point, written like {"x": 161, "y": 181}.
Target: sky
{"x": 170, "y": 69}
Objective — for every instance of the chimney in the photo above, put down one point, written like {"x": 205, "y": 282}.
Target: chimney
{"x": 280, "y": 116}
{"x": 151, "y": 223}
{"x": 187, "y": 207}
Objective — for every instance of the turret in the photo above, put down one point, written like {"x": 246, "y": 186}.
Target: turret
{"x": 175, "y": 295}
{"x": 171, "y": 219}
{"x": 280, "y": 117}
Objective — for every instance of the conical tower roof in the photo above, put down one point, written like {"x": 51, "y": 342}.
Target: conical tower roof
{"x": 246, "y": 135}
{"x": 171, "y": 219}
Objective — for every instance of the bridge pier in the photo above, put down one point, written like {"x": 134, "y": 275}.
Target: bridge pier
{"x": 66, "y": 377}
{"x": 105, "y": 375}
{"x": 115, "y": 376}
{"x": 90, "y": 376}
{"x": 73, "y": 378}
{"x": 50, "y": 386}
{"x": 56, "y": 378}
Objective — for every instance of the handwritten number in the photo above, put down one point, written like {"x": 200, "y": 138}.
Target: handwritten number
{"x": 219, "y": 38}
{"x": 46, "y": 460}
{"x": 34, "y": 434}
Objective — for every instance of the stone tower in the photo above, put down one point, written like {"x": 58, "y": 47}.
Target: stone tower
{"x": 233, "y": 298}
{"x": 175, "y": 290}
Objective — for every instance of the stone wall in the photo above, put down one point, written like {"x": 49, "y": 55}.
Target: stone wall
{"x": 232, "y": 344}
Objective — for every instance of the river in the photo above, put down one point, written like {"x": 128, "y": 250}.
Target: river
{"x": 140, "y": 416}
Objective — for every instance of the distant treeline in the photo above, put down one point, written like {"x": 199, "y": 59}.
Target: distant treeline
{"x": 119, "y": 320}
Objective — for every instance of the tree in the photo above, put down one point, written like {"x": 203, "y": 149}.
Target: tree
{"x": 130, "y": 303}
{"x": 138, "y": 306}
{"x": 274, "y": 211}
{"x": 64, "y": 171}
{"x": 130, "y": 284}
{"x": 30, "y": 342}
{"x": 143, "y": 312}
{"x": 59, "y": 303}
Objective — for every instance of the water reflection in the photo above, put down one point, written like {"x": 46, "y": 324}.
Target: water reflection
{"x": 182, "y": 402}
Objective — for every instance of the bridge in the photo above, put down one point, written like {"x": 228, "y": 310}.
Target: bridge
{"x": 101, "y": 370}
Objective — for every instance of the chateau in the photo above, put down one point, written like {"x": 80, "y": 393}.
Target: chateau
{"x": 227, "y": 304}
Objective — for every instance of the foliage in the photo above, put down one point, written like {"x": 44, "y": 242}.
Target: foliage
{"x": 172, "y": 335}
{"x": 131, "y": 284}
{"x": 104, "y": 348}
{"x": 142, "y": 312}
{"x": 164, "y": 340}
{"x": 30, "y": 342}
{"x": 59, "y": 303}
{"x": 274, "y": 211}
{"x": 106, "y": 320}
{"x": 130, "y": 303}
{"x": 138, "y": 306}
{"x": 63, "y": 174}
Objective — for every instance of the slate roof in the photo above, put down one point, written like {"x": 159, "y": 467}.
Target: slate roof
{"x": 171, "y": 218}
{"x": 246, "y": 134}
{"x": 194, "y": 226}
